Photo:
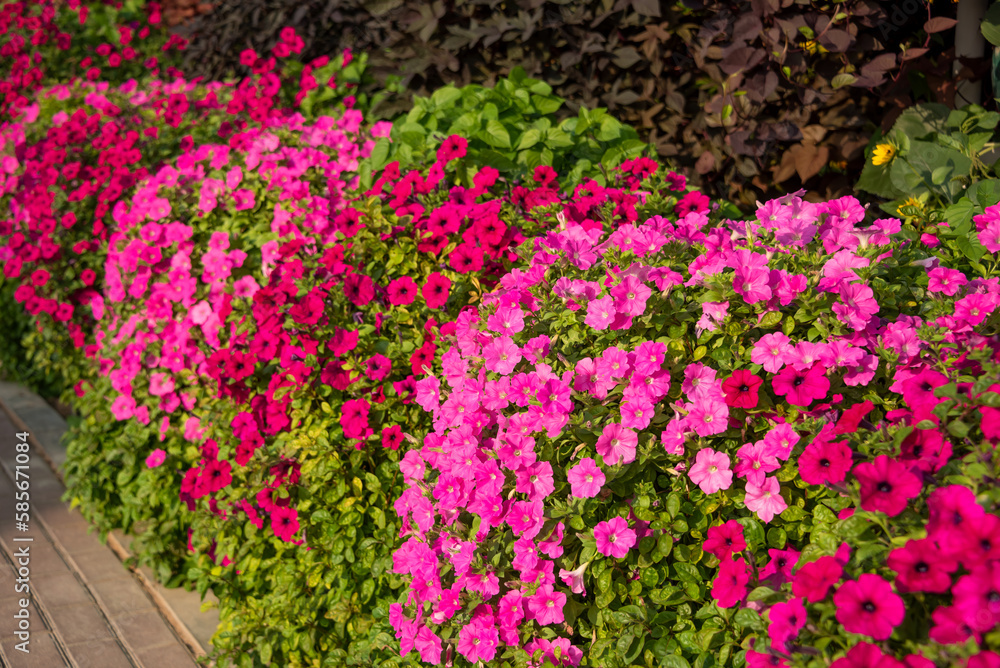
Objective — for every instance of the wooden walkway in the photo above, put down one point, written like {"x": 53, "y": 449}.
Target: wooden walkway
{"x": 61, "y": 589}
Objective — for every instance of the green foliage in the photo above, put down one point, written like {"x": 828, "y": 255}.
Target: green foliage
{"x": 937, "y": 154}
{"x": 16, "y": 363}
{"x": 108, "y": 480}
{"x": 510, "y": 127}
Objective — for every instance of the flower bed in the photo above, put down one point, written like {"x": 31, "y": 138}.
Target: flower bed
{"x": 399, "y": 397}
{"x": 663, "y": 443}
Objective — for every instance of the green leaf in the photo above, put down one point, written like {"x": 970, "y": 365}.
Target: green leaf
{"x": 927, "y": 162}
{"x": 970, "y": 246}
{"x": 843, "y": 79}
{"x": 770, "y": 319}
{"x": 546, "y": 104}
{"x": 921, "y": 120}
{"x": 749, "y": 619}
{"x": 446, "y": 97}
{"x": 380, "y": 154}
{"x": 529, "y": 139}
{"x": 496, "y": 134}
{"x": 991, "y": 24}
{"x": 497, "y": 160}
{"x": 877, "y": 179}
{"x": 610, "y": 129}
{"x": 984, "y": 193}
{"x": 959, "y": 213}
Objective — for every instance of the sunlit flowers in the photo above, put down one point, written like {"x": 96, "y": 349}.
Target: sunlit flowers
{"x": 883, "y": 153}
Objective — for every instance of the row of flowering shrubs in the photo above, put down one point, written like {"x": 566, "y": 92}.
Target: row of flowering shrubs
{"x": 433, "y": 415}
{"x": 664, "y": 441}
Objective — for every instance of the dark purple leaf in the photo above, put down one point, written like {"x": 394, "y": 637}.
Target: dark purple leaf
{"x": 910, "y": 54}
{"x": 744, "y": 57}
{"x": 647, "y": 7}
{"x": 939, "y": 24}
{"x": 837, "y": 41}
{"x": 748, "y": 27}
{"x": 765, "y": 7}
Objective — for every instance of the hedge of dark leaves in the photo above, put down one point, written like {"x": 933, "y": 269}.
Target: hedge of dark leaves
{"x": 756, "y": 96}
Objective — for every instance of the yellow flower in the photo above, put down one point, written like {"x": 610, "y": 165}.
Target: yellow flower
{"x": 812, "y": 46}
{"x": 883, "y": 153}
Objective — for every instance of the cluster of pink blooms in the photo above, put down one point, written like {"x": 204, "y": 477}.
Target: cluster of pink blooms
{"x": 507, "y": 390}
{"x": 152, "y": 316}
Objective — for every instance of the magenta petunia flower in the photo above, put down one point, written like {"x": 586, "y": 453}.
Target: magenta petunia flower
{"x": 922, "y": 567}
{"x": 786, "y": 620}
{"x": 801, "y": 388}
{"x": 825, "y": 461}
{"x": 155, "y": 458}
{"x": 869, "y": 606}
{"x": 812, "y": 581}
{"x": 730, "y": 585}
{"x": 614, "y": 538}
{"x": 435, "y": 290}
{"x": 711, "y": 471}
{"x": 284, "y": 522}
{"x": 725, "y": 540}
{"x": 402, "y": 291}
{"x": 586, "y": 479}
{"x": 452, "y": 148}
{"x": 886, "y": 485}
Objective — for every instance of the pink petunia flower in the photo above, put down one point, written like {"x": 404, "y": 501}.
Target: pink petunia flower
{"x": 155, "y": 458}
{"x": 501, "y": 355}
{"x": 586, "y": 479}
{"x": 614, "y": 538}
{"x": 711, "y": 471}
{"x": 601, "y": 313}
{"x": 617, "y": 443}
{"x": 765, "y": 499}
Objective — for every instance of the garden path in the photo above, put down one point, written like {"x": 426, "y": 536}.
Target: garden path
{"x": 86, "y": 607}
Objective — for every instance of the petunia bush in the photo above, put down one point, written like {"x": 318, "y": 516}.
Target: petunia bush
{"x": 320, "y": 368}
{"x": 696, "y": 442}
{"x": 510, "y": 127}
{"x": 137, "y": 291}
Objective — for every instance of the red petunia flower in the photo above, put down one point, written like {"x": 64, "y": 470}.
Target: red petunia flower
{"x": 452, "y": 148}
{"x": 886, "y": 485}
{"x": 869, "y": 606}
{"x": 741, "y": 389}
{"x": 435, "y": 290}
{"x": 392, "y": 437}
{"x": 801, "y": 388}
